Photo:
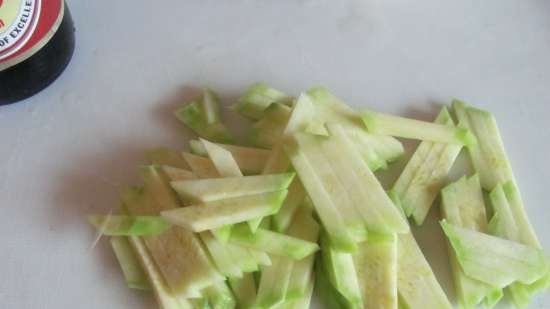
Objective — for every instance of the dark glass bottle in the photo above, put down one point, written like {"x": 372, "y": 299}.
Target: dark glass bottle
{"x": 42, "y": 63}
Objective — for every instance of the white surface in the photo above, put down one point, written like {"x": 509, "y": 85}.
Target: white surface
{"x": 65, "y": 151}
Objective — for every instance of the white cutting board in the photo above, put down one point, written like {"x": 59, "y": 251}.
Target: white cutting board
{"x": 65, "y": 152}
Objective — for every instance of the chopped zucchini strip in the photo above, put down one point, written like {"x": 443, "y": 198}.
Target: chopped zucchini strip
{"x": 179, "y": 254}
{"x": 249, "y": 159}
{"x": 218, "y": 213}
{"x": 417, "y": 286}
{"x": 385, "y": 124}
{"x": 463, "y": 205}
{"x": 207, "y": 190}
{"x": 244, "y": 290}
{"x": 166, "y": 156}
{"x": 425, "y": 173}
{"x": 266, "y": 132}
{"x": 296, "y": 195}
{"x": 221, "y": 256}
{"x": 376, "y": 207}
{"x": 342, "y": 273}
{"x": 301, "y": 303}
{"x": 163, "y": 294}
{"x": 273, "y": 243}
{"x": 377, "y": 150}
{"x": 376, "y": 265}
{"x": 201, "y": 167}
{"x": 133, "y": 272}
{"x": 491, "y": 163}
{"x": 203, "y": 117}
{"x": 303, "y": 227}
{"x": 174, "y": 173}
{"x": 129, "y": 225}
{"x": 327, "y": 211}
{"x": 274, "y": 282}
{"x": 219, "y": 296}
{"x": 330, "y": 296}
{"x": 257, "y": 98}
{"x": 493, "y": 260}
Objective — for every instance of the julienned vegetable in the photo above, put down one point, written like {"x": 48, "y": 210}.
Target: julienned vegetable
{"x": 236, "y": 226}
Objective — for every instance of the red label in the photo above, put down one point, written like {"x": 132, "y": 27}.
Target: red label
{"x": 25, "y": 27}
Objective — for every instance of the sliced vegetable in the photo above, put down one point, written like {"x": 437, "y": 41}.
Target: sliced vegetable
{"x": 266, "y": 132}
{"x": 491, "y": 162}
{"x": 249, "y": 159}
{"x": 493, "y": 260}
{"x": 296, "y": 195}
{"x": 425, "y": 173}
{"x": 226, "y": 167}
{"x": 273, "y": 243}
{"x": 302, "y": 302}
{"x": 202, "y": 116}
{"x": 463, "y": 205}
{"x": 327, "y": 211}
{"x": 378, "y": 150}
{"x": 202, "y": 167}
{"x": 178, "y": 253}
{"x": 376, "y": 266}
{"x": 218, "y": 213}
{"x": 377, "y": 209}
{"x": 384, "y": 124}
{"x": 298, "y": 121}
{"x": 176, "y": 174}
{"x": 133, "y": 272}
{"x": 274, "y": 282}
{"x": 304, "y": 227}
{"x": 165, "y": 297}
{"x": 244, "y": 290}
{"x": 220, "y": 296}
{"x": 342, "y": 273}
{"x": 206, "y": 190}
{"x": 417, "y": 286}
{"x": 330, "y": 297}
{"x": 222, "y": 257}
{"x": 166, "y": 156}
{"x": 129, "y": 225}
{"x": 257, "y": 98}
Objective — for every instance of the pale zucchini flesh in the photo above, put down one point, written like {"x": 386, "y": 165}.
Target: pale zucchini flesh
{"x": 493, "y": 260}
{"x": 376, "y": 266}
{"x": 325, "y": 208}
{"x": 273, "y": 284}
{"x": 342, "y": 273}
{"x": 202, "y": 116}
{"x": 385, "y": 124}
{"x": 207, "y": 190}
{"x": 179, "y": 254}
{"x": 425, "y": 173}
{"x": 463, "y": 205}
{"x": 244, "y": 290}
{"x": 219, "y": 213}
{"x": 249, "y": 159}
{"x": 162, "y": 292}
{"x": 122, "y": 225}
{"x": 304, "y": 227}
{"x": 273, "y": 243}
{"x": 166, "y": 156}
{"x": 257, "y": 98}
{"x": 375, "y": 198}
{"x": 133, "y": 272}
{"x": 219, "y": 296}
